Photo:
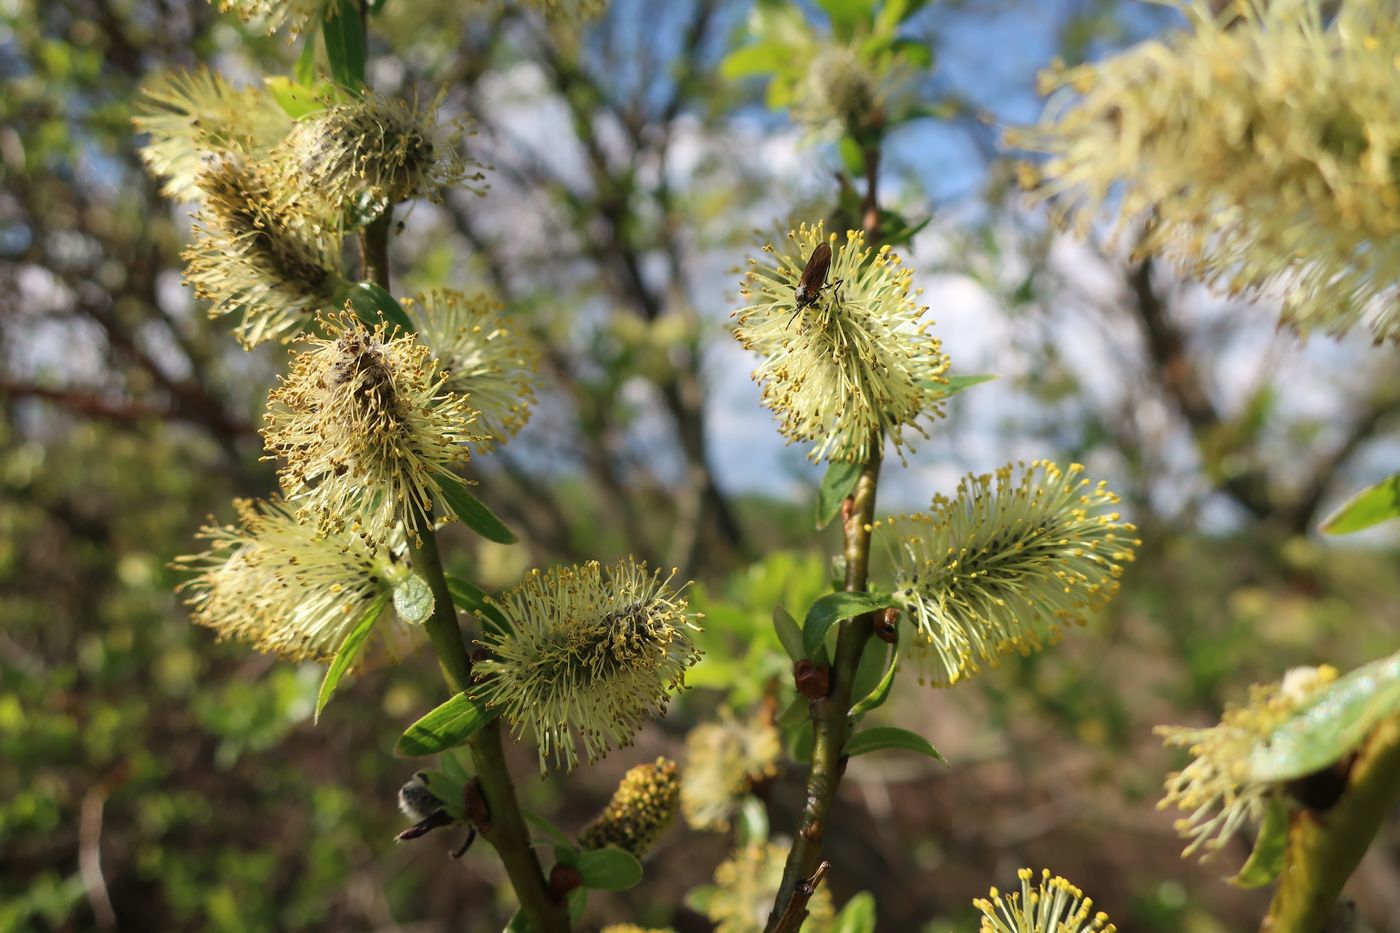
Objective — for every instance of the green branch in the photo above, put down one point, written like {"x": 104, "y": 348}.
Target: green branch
{"x": 829, "y": 714}
{"x": 1325, "y": 847}
{"x": 506, "y": 829}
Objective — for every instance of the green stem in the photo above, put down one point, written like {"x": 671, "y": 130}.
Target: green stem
{"x": 507, "y": 830}
{"x": 830, "y": 723}
{"x": 1324, "y": 848}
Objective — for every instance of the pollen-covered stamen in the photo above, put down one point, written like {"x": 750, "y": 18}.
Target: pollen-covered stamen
{"x": 487, "y": 359}
{"x": 724, "y": 760}
{"x": 278, "y": 585}
{"x": 251, "y": 259}
{"x": 1053, "y": 905}
{"x": 643, "y": 806}
{"x": 366, "y": 429}
{"x": 590, "y": 655}
{"x": 377, "y": 148}
{"x": 1214, "y": 789}
{"x": 858, "y": 364}
{"x": 1005, "y": 565}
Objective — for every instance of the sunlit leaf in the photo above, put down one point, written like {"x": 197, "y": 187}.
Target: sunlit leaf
{"x": 346, "y": 654}
{"x": 1330, "y": 725}
{"x": 837, "y": 482}
{"x": 472, "y": 511}
{"x": 833, "y": 608}
{"x": 1370, "y": 506}
{"x": 448, "y": 726}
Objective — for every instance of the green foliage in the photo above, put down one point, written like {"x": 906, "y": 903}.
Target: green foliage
{"x": 880, "y": 738}
{"x": 1270, "y": 846}
{"x": 743, "y": 652}
{"x": 1331, "y": 725}
{"x": 446, "y": 727}
{"x": 348, "y": 653}
{"x": 473, "y": 512}
{"x": 1370, "y": 506}
{"x": 833, "y": 608}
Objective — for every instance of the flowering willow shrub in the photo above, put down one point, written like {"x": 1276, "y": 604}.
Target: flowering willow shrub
{"x": 385, "y": 399}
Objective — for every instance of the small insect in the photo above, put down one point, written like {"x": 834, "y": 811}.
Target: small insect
{"x": 813, "y": 281}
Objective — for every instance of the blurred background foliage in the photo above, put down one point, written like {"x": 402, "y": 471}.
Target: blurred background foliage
{"x": 151, "y": 779}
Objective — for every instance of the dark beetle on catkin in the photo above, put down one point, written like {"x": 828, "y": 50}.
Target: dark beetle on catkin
{"x": 813, "y": 281}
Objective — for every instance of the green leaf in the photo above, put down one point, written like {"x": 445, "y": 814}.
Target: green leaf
{"x": 800, "y": 744}
{"x": 756, "y": 58}
{"x": 473, "y": 513}
{"x": 870, "y": 669}
{"x": 305, "y": 69}
{"x": 413, "y": 600}
{"x": 1330, "y": 725}
{"x": 578, "y": 903}
{"x": 346, "y": 654}
{"x": 556, "y": 834}
{"x": 608, "y": 869}
{"x": 858, "y": 916}
{"x": 345, "y": 44}
{"x": 449, "y": 790}
{"x": 796, "y": 713}
{"x": 847, "y": 15}
{"x": 877, "y": 697}
{"x": 518, "y": 924}
{"x": 296, "y": 99}
{"x": 852, "y": 156}
{"x": 1266, "y": 860}
{"x": 374, "y": 305}
{"x": 1370, "y": 506}
{"x": 837, "y": 483}
{"x": 788, "y": 633}
{"x": 956, "y": 384}
{"x": 452, "y": 766}
{"x": 833, "y": 608}
{"x": 448, "y": 726}
{"x": 878, "y": 738}
{"x": 753, "y": 821}
{"x": 472, "y": 598}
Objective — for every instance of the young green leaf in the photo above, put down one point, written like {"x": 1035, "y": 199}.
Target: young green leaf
{"x": 372, "y": 305}
{"x": 608, "y": 869}
{"x": 1370, "y": 506}
{"x": 1330, "y": 725}
{"x": 753, "y": 821}
{"x": 448, "y": 726}
{"x": 878, "y": 738}
{"x": 796, "y": 713}
{"x": 449, "y": 790}
{"x": 877, "y": 697}
{"x": 297, "y": 99}
{"x": 800, "y": 743}
{"x": 555, "y": 834}
{"x": 870, "y": 669}
{"x": 578, "y": 903}
{"x": 833, "y": 608}
{"x": 305, "y": 68}
{"x": 469, "y": 597}
{"x": 1266, "y": 859}
{"x": 788, "y": 632}
{"x": 956, "y": 384}
{"x": 346, "y": 654}
{"x": 473, "y": 513}
{"x": 413, "y": 600}
{"x": 345, "y": 44}
{"x": 858, "y": 916}
{"x": 837, "y": 483}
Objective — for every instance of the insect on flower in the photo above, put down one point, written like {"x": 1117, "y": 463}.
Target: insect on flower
{"x": 813, "y": 281}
